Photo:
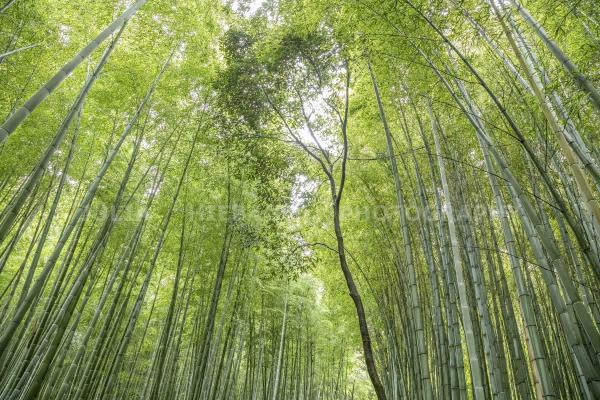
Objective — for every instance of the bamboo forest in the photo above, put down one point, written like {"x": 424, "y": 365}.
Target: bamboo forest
{"x": 299, "y": 199}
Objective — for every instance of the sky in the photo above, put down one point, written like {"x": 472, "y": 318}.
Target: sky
{"x": 252, "y": 5}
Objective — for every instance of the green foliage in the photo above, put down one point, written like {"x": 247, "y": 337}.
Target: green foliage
{"x": 209, "y": 250}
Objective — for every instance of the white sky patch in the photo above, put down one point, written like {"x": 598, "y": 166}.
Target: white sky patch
{"x": 304, "y": 248}
{"x": 320, "y": 115}
{"x": 302, "y": 189}
{"x": 475, "y": 159}
{"x": 328, "y": 143}
{"x": 145, "y": 144}
{"x": 68, "y": 180}
{"x": 153, "y": 114}
{"x": 502, "y": 3}
{"x": 179, "y": 55}
{"x": 305, "y": 136}
{"x": 161, "y": 126}
{"x": 125, "y": 4}
{"x": 194, "y": 95}
{"x": 71, "y": 182}
{"x": 64, "y": 36}
{"x": 247, "y": 8}
{"x": 223, "y": 24}
{"x": 165, "y": 28}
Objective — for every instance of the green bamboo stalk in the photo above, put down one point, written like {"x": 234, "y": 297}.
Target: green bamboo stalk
{"x": 17, "y": 118}
{"x": 422, "y": 352}
{"x": 582, "y": 82}
{"x": 475, "y": 362}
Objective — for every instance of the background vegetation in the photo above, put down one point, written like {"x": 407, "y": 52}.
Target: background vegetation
{"x": 295, "y": 199}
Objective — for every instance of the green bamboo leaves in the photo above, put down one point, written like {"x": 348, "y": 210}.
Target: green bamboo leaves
{"x": 13, "y": 122}
{"x": 224, "y": 211}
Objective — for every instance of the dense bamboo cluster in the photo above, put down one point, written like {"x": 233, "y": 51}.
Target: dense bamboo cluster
{"x": 335, "y": 200}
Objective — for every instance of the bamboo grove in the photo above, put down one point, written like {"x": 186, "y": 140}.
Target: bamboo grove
{"x": 290, "y": 199}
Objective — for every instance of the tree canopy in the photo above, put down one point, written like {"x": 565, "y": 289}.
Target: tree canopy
{"x": 292, "y": 199}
